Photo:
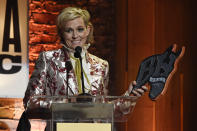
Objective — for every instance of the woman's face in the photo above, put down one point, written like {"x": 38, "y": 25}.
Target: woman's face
{"x": 75, "y": 33}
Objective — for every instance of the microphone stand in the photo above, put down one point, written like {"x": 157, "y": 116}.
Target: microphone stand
{"x": 82, "y": 78}
{"x": 68, "y": 66}
{"x": 77, "y": 54}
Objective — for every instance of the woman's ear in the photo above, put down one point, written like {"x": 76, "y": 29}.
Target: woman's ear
{"x": 88, "y": 30}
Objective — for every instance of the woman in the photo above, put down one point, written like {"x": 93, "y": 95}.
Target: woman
{"x": 58, "y": 72}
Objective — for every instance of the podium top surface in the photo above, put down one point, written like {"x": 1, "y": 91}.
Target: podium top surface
{"x": 124, "y": 104}
{"x": 91, "y": 99}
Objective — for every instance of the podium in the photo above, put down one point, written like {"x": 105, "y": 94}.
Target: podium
{"x": 84, "y": 113}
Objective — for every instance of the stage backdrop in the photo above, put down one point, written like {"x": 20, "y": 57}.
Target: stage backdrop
{"x": 13, "y": 48}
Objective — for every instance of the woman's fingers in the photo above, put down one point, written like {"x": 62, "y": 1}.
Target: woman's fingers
{"x": 137, "y": 91}
{"x": 144, "y": 88}
{"x": 140, "y": 91}
{"x": 133, "y": 83}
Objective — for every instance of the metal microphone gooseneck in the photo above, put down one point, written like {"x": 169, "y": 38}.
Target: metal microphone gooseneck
{"x": 69, "y": 67}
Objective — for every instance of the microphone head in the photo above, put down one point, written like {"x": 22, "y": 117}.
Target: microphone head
{"x": 78, "y": 51}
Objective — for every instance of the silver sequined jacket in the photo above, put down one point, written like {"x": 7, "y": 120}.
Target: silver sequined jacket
{"x": 50, "y": 78}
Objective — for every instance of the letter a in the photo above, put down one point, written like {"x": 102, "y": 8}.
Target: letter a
{"x": 11, "y": 5}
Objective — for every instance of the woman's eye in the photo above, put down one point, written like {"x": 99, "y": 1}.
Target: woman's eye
{"x": 80, "y": 29}
{"x": 68, "y": 30}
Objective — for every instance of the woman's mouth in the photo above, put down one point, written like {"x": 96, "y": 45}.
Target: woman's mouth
{"x": 76, "y": 42}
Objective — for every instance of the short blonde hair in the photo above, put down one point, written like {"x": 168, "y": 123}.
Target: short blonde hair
{"x": 71, "y": 13}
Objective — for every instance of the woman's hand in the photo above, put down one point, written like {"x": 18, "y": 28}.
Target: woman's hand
{"x": 138, "y": 91}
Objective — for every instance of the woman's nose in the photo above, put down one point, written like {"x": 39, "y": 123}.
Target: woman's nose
{"x": 75, "y": 34}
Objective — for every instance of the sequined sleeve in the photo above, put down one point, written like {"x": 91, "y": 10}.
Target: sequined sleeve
{"x": 36, "y": 85}
{"x": 106, "y": 79}
{"x": 122, "y": 107}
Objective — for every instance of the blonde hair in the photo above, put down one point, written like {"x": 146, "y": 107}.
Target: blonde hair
{"x": 71, "y": 13}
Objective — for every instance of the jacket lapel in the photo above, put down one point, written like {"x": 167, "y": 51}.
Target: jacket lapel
{"x": 60, "y": 62}
{"x": 94, "y": 75}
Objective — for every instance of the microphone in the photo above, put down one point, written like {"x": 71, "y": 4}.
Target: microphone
{"x": 77, "y": 54}
{"x": 78, "y": 51}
